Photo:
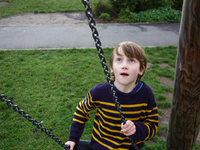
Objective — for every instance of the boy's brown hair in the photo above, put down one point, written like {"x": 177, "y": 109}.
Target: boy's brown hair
{"x": 131, "y": 50}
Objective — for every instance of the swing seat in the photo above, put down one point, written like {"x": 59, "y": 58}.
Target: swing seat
{"x": 82, "y": 145}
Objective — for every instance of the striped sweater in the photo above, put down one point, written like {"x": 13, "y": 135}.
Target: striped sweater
{"x": 139, "y": 107}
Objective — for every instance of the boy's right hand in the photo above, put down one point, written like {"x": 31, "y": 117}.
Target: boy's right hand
{"x": 71, "y": 144}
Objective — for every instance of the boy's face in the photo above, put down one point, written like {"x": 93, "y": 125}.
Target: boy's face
{"x": 125, "y": 69}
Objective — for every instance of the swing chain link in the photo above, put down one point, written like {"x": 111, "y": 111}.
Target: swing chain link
{"x": 95, "y": 34}
{"x": 34, "y": 122}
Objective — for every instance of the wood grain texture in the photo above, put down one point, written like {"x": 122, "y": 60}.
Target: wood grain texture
{"x": 184, "y": 124}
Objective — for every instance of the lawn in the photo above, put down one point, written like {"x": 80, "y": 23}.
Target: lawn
{"x": 40, "y": 6}
{"x": 48, "y": 84}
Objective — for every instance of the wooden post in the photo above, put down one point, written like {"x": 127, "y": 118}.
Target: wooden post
{"x": 184, "y": 124}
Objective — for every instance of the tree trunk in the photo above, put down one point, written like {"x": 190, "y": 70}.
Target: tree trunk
{"x": 184, "y": 124}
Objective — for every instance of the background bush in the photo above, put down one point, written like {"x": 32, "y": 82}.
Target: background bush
{"x": 143, "y": 5}
{"x": 126, "y": 15}
{"x": 139, "y": 10}
{"x": 105, "y": 17}
{"x": 103, "y": 6}
{"x": 177, "y": 4}
{"x": 123, "y": 4}
{"x": 139, "y": 5}
{"x": 161, "y": 14}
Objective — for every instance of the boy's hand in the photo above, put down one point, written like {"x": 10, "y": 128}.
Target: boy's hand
{"x": 129, "y": 128}
{"x": 71, "y": 144}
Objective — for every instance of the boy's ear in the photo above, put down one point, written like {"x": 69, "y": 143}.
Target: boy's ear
{"x": 111, "y": 69}
{"x": 142, "y": 71}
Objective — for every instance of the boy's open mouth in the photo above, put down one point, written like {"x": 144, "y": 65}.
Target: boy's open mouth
{"x": 124, "y": 74}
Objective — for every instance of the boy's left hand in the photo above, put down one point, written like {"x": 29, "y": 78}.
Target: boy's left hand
{"x": 129, "y": 128}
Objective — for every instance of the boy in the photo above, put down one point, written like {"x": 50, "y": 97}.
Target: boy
{"x": 127, "y": 64}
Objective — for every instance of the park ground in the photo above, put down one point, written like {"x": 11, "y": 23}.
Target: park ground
{"x": 77, "y": 18}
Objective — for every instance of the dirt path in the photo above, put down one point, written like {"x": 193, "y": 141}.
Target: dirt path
{"x": 70, "y": 18}
{"x": 67, "y": 18}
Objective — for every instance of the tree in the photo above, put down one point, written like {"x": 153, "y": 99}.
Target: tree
{"x": 184, "y": 124}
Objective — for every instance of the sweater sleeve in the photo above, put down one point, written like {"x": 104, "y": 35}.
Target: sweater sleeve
{"x": 81, "y": 115}
{"x": 148, "y": 127}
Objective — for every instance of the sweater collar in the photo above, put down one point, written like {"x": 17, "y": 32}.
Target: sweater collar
{"x": 135, "y": 90}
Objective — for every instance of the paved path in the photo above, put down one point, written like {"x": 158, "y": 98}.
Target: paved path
{"x": 80, "y": 36}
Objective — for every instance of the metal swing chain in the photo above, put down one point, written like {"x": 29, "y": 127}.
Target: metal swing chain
{"x": 95, "y": 34}
{"x": 34, "y": 122}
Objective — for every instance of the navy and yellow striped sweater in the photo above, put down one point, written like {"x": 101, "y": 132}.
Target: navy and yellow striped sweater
{"x": 140, "y": 107}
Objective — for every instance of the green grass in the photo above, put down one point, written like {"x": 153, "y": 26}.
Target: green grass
{"x": 159, "y": 143}
{"x": 40, "y": 6}
{"x": 48, "y": 84}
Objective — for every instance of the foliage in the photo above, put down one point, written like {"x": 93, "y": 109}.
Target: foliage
{"x": 126, "y": 15}
{"x": 147, "y": 10}
{"x": 105, "y": 17}
{"x": 103, "y": 6}
{"x": 150, "y": 4}
{"x": 196, "y": 146}
{"x": 177, "y": 4}
{"x": 139, "y": 5}
{"x": 161, "y": 14}
{"x": 124, "y": 4}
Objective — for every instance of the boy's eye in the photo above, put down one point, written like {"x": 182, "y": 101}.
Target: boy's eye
{"x": 118, "y": 59}
{"x": 131, "y": 60}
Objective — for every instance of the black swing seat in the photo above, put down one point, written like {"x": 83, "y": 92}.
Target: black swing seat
{"x": 82, "y": 145}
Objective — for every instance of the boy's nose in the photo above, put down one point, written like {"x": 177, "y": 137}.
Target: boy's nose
{"x": 124, "y": 65}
